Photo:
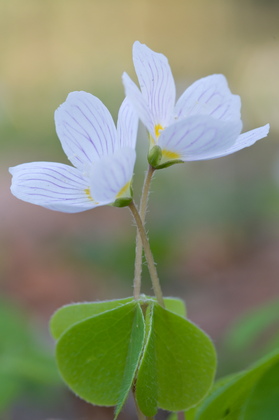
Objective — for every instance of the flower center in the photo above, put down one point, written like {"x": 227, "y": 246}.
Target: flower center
{"x": 168, "y": 154}
{"x": 158, "y": 129}
{"x": 88, "y": 194}
{"x": 123, "y": 191}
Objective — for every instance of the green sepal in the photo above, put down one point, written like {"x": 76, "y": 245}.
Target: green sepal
{"x": 122, "y": 202}
{"x": 157, "y": 161}
{"x": 155, "y": 156}
{"x": 169, "y": 163}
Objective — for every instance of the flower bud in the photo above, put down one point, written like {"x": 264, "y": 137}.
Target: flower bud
{"x": 155, "y": 156}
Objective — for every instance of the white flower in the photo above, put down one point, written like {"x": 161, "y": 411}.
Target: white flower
{"x": 205, "y": 123}
{"x": 103, "y": 157}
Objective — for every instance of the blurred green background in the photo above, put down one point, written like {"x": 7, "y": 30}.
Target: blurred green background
{"x": 214, "y": 226}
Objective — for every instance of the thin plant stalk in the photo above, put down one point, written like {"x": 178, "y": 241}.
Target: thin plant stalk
{"x": 148, "y": 255}
{"x": 142, "y": 213}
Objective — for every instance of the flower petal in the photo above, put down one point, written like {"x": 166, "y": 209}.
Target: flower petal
{"x": 111, "y": 176}
{"x": 156, "y": 82}
{"x": 85, "y": 128}
{"x": 198, "y": 137}
{"x": 138, "y": 102}
{"x": 155, "y": 103}
{"x": 52, "y": 185}
{"x": 209, "y": 96}
{"x": 127, "y": 125}
{"x": 245, "y": 140}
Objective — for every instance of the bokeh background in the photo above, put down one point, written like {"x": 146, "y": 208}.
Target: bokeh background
{"x": 214, "y": 226}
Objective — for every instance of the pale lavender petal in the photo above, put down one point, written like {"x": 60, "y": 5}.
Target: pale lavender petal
{"x": 127, "y": 125}
{"x": 209, "y": 96}
{"x": 112, "y": 174}
{"x": 52, "y": 185}
{"x": 198, "y": 137}
{"x": 156, "y": 83}
{"x": 244, "y": 140}
{"x": 85, "y": 128}
{"x": 140, "y": 105}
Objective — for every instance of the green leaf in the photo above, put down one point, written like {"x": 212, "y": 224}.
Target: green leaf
{"x": 146, "y": 383}
{"x": 191, "y": 413}
{"x": 249, "y": 327}
{"x": 176, "y": 305}
{"x": 69, "y": 315}
{"x": 263, "y": 402}
{"x": 178, "y": 363}
{"x": 10, "y": 387}
{"x": 98, "y": 357}
{"x": 132, "y": 360}
{"x": 24, "y": 361}
{"x": 228, "y": 399}
{"x": 34, "y": 367}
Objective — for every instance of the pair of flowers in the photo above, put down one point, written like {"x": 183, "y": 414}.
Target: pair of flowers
{"x": 205, "y": 123}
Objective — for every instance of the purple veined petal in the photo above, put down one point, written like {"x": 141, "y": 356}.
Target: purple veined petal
{"x": 156, "y": 83}
{"x": 244, "y": 140}
{"x": 54, "y": 186}
{"x": 127, "y": 125}
{"x": 85, "y": 128}
{"x": 198, "y": 137}
{"x": 138, "y": 102}
{"x": 111, "y": 176}
{"x": 209, "y": 96}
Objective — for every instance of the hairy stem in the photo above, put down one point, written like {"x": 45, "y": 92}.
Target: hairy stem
{"x": 148, "y": 255}
{"x": 142, "y": 212}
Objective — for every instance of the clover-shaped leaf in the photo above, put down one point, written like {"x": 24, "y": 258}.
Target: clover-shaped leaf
{"x": 68, "y": 315}
{"x": 178, "y": 363}
{"x": 98, "y": 357}
{"x": 106, "y": 348}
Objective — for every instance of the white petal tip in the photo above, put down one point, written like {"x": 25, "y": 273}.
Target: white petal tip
{"x": 266, "y": 129}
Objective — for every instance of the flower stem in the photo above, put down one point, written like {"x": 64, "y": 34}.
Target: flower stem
{"x": 142, "y": 212}
{"x": 148, "y": 255}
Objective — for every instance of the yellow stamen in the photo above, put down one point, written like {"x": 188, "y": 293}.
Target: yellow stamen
{"x": 88, "y": 193}
{"x": 167, "y": 154}
{"x": 123, "y": 191}
{"x": 158, "y": 129}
